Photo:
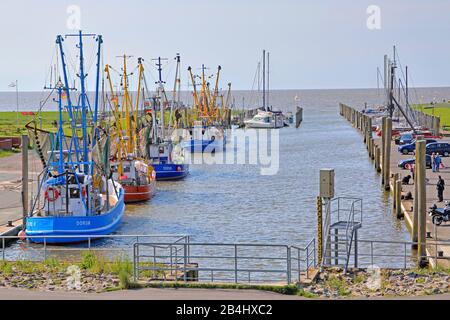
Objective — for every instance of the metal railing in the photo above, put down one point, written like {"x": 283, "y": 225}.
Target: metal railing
{"x": 214, "y": 262}
{"x": 306, "y": 256}
{"x": 15, "y": 248}
{"x": 396, "y": 254}
{"x": 342, "y": 210}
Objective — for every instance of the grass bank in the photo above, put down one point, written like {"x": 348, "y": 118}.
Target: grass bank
{"x": 441, "y": 110}
{"x": 12, "y": 124}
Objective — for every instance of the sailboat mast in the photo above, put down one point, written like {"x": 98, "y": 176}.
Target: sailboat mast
{"x": 264, "y": 80}
{"x": 268, "y": 79}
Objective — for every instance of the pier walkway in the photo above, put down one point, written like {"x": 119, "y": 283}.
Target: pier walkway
{"x": 441, "y": 233}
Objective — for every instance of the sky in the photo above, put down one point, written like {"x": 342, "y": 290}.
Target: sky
{"x": 313, "y": 44}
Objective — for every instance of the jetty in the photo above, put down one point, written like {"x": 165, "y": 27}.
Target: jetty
{"x": 383, "y": 150}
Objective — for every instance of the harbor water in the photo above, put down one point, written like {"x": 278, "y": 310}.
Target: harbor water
{"x": 235, "y": 203}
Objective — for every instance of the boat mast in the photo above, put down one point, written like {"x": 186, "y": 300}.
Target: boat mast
{"x": 268, "y": 79}
{"x": 175, "y": 85}
{"x": 264, "y": 80}
{"x": 82, "y": 76}
{"x": 196, "y": 100}
{"x": 127, "y": 102}
{"x": 136, "y": 113}
{"x": 97, "y": 86}
{"x": 161, "y": 92}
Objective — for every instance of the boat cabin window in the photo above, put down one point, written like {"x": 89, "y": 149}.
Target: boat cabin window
{"x": 126, "y": 169}
{"x": 74, "y": 193}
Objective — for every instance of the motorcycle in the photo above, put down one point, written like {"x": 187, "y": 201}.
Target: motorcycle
{"x": 439, "y": 215}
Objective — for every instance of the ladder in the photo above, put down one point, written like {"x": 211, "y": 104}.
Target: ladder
{"x": 342, "y": 221}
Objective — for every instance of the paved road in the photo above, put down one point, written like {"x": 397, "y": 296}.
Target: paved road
{"x": 171, "y": 294}
{"x": 441, "y": 233}
{"x": 146, "y": 294}
{"x": 10, "y": 185}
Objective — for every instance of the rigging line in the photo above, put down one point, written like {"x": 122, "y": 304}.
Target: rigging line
{"x": 149, "y": 69}
{"x": 410, "y": 79}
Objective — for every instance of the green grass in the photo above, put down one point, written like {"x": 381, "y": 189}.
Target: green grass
{"x": 339, "y": 285}
{"x": 441, "y": 110}
{"x": 10, "y": 127}
{"x": 6, "y": 153}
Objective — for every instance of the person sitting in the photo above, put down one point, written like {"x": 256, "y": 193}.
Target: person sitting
{"x": 405, "y": 180}
{"x": 408, "y": 196}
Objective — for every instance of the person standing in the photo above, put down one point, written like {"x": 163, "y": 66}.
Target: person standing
{"x": 440, "y": 189}
{"x": 433, "y": 162}
{"x": 438, "y": 161}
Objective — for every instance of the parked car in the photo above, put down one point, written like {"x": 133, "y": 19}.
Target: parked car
{"x": 443, "y": 148}
{"x": 411, "y": 147}
{"x": 405, "y": 164}
{"x": 406, "y": 138}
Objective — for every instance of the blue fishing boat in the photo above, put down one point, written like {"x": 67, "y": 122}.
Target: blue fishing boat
{"x": 166, "y": 157}
{"x": 76, "y": 196}
{"x": 205, "y": 139}
{"x": 171, "y": 171}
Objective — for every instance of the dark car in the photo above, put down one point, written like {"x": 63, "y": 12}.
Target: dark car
{"x": 411, "y": 147}
{"x": 405, "y": 138}
{"x": 442, "y": 148}
{"x": 404, "y": 164}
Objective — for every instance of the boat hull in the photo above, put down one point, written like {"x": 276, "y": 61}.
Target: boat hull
{"x": 199, "y": 146}
{"x": 139, "y": 193}
{"x": 171, "y": 171}
{"x": 60, "y": 230}
{"x": 259, "y": 125}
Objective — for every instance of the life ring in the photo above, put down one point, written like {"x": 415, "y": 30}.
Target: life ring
{"x": 51, "y": 194}
{"x": 153, "y": 175}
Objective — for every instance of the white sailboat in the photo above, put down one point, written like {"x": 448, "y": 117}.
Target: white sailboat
{"x": 266, "y": 118}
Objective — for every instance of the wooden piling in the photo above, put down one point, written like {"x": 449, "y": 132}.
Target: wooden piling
{"x": 387, "y": 152}
{"x": 394, "y": 185}
{"x": 421, "y": 199}
{"x": 398, "y": 195}
{"x": 377, "y": 159}
{"x": 383, "y": 149}
{"x": 25, "y": 199}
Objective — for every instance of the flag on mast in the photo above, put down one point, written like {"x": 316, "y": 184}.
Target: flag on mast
{"x": 12, "y": 85}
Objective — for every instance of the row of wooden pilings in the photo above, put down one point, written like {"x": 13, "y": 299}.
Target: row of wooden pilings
{"x": 381, "y": 156}
{"x": 426, "y": 120}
